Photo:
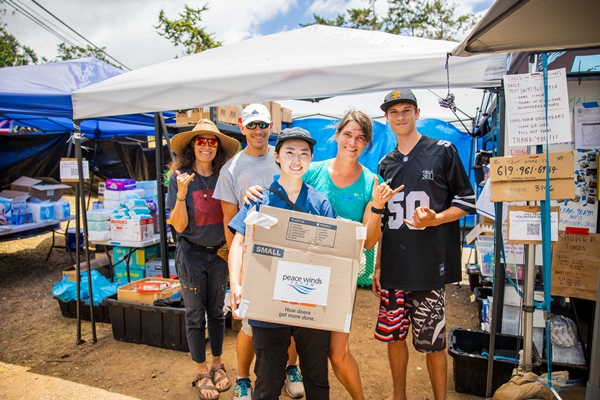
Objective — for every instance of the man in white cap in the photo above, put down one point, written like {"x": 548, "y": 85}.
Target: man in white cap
{"x": 255, "y": 165}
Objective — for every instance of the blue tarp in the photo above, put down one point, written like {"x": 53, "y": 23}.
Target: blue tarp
{"x": 384, "y": 140}
{"x": 40, "y": 96}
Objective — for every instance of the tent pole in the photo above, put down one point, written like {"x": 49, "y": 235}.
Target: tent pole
{"x": 81, "y": 185}
{"x": 499, "y": 272}
{"x": 162, "y": 221}
{"x": 167, "y": 139}
{"x": 91, "y": 164}
{"x": 77, "y": 259}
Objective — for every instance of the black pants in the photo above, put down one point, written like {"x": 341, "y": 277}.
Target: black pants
{"x": 271, "y": 346}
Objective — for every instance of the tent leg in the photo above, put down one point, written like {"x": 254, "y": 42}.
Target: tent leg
{"x": 164, "y": 247}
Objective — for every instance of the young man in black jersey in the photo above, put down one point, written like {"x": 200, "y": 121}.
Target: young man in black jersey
{"x": 420, "y": 244}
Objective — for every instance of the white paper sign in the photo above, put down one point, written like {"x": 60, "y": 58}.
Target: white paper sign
{"x": 302, "y": 283}
{"x": 587, "y": 127}
{"x": 527, "y": 226}
{"x": 525, "y": 108}
{"x": 68, "y": 170}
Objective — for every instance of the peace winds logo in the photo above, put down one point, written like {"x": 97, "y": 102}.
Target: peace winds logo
{"x": 296, "y": 283}
{"x": 395, "y": 94}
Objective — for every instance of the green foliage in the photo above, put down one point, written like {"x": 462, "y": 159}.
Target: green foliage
{"x": 74, "y": 52}
{"x": 186, "y": 30}
{"x": 432, "y": 19}
{"x": 359, "y": 18}
{"x": 12, "y": 53}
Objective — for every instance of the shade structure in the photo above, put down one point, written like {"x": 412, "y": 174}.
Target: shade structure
{"x": 534, "y": 25}
{"x": 316, "y": 61}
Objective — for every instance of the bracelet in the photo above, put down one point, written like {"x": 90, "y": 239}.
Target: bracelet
{"x": 178, "y": 199}
{"x": 377, "y": 210}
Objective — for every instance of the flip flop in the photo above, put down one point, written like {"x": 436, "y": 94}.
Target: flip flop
{"x": 207, "y": 384}
{"x": 219, "y": 374}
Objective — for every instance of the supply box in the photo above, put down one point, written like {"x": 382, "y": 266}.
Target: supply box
{"x": 306, "y": 267}
{"x": 128, "y": 293}
{"x": 132, "y": 229}
{"x": 40, "y": 188}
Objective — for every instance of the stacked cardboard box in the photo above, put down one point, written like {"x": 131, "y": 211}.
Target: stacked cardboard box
{"x": 275, "y": 111}
{"x": 193, "y": 115}
{"x": 228, "y": 114}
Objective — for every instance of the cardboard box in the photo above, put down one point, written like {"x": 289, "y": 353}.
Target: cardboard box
{"x": 99, "y": 263}
{"x": 193, "y": 115}
{"x": 286, "y": 115}
{"x": 138, "y": 257}
{"x": 514, "y": 191}
{"x": 132, "y": 229}
{"x": 302, "y": 271}
{"x": 127, "y": 293}
{"x": 154, "y": 267}
{"x": 228, "y": 114}
{"x": 41, "y": 188}
{"x": 523, "y": 178}
{"x": 275, "y": 111}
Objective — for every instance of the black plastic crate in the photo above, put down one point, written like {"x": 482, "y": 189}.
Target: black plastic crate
{"x": 145, "y": 324}
{"x": 69, "y": 310}
{"x": 480, "y": 294}
{"x": 470, "y": 367}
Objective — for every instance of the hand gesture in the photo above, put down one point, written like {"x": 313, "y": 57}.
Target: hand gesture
{"x": 376, "y": 284}
{"x": 183, "y": 181}
{"x": 422, "y": 218}
{"x": 253, "y": 194}
{"x": 382, "y": 193}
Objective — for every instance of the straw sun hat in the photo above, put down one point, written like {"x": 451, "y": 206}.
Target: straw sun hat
{"x": 181, "y": 140}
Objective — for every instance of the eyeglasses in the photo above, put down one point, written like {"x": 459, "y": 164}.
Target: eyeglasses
{"x": 201, "y": 141}
{"x": 252, "y": 125}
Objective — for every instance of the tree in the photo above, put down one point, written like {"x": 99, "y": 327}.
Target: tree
{"x": 359, "y": 18}
{"x": 74, "y": 52}
{"x": 432, "y": 19}
{"x": 12, "y": 53}
{"x": 186, "y": 30}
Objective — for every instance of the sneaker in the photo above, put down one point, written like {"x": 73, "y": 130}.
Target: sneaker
{"x": 242, "y": 389}
{"x": 293, "y": 382}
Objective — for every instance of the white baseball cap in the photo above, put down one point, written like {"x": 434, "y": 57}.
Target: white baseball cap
{"x": 255, "y": 112}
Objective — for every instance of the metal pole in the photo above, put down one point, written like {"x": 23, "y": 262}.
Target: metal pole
{"x": 77, "y": 259}
{"x": 81, "y": 184}
{"x": 593, "y": 386}
{"x": 162, "y": 218}
{"x": 499, "y": 272}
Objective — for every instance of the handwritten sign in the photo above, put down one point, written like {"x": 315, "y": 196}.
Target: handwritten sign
{"x": 525, "y": 224}
{"x": 69, "y": 172}
{"x": 523, "y": 178}
{"x": 531, "y": 167}
{"x": 575, "y": 265}
{"x": 526, "y": 108}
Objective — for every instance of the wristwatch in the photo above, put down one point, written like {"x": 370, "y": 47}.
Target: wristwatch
{"x": 377, "y": 210}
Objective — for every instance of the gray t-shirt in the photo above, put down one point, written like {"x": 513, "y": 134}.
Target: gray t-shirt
{"x": 243, "y": 171}
{"x": 205, "y": 217}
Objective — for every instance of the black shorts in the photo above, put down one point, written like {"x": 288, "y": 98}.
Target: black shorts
{"x": 425, "y": 310}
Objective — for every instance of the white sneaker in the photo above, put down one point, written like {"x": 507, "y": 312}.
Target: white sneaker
{"x": 293, "y": 382}
{"x": 242, "y": 389}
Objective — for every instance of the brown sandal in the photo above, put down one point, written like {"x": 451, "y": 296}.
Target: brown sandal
{"x": 219, "y": 374}
{"x": 207, "y": 384}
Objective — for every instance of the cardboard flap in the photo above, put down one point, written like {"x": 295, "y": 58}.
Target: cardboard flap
{"x": 14, "y": 194}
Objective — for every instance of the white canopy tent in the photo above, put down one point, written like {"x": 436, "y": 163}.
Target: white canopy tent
{"x": 534, "y": 25}
{"x": 311, "y": 62}
{"x": 467, "y": 102}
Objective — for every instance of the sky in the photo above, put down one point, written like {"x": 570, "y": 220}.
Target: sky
{"x": 126, "y": 27}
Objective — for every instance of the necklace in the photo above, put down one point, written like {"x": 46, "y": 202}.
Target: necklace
{"x": 206, "y": 185}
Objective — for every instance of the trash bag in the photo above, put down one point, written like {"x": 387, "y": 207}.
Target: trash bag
{"x": 101, "y": 287}
{"x": 65, "y": 290}
{"x": 563, "y": 331}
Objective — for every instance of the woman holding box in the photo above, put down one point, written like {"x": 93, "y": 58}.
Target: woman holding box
{"x": 198, "y": 220}
{"x": 355, "y": 194}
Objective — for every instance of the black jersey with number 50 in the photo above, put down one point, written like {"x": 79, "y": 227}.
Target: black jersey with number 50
{"x": 433, "y": 176}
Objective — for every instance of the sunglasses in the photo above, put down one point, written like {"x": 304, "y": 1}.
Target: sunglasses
{"x": 252, "y": 125}
{"x": 200, "y": 141}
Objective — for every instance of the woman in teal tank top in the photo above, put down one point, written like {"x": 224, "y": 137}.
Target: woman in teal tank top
{"x": 356, "y": 194}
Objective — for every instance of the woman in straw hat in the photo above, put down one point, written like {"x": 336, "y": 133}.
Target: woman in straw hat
{"x": 198, "y": 220}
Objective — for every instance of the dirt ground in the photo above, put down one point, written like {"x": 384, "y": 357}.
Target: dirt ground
{"x": 39, "y": 358}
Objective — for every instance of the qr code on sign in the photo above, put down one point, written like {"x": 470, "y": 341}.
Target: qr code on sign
{"x": 533, "y": 229}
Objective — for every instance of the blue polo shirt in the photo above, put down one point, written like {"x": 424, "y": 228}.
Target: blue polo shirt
{"x": 309, "y": 200}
